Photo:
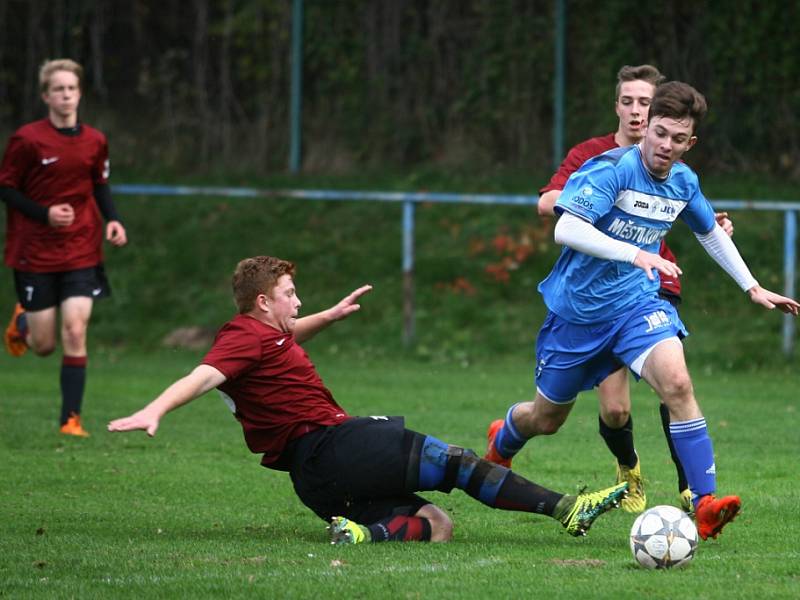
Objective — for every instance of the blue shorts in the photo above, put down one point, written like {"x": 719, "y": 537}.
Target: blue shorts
{"x": 572, "y": 358}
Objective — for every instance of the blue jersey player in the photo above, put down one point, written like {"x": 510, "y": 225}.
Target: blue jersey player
{"x": 602, "y": 294}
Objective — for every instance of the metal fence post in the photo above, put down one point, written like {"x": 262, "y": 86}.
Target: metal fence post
{"x": 408, "y": 273}
{"x": 789, "y": 258}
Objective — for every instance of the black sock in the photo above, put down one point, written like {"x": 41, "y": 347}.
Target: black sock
{"x": 682, "y": 483}
{"x": 620, "y": 442}
{"x": 73, "y": 380}
{"x": 400, "y": 528}
{"x": 518, "y": 493}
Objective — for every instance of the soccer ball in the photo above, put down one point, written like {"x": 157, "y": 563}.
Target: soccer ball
{"x": 663, "y": 537}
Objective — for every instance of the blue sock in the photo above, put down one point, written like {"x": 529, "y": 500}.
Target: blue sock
{"x": 696, "y": 453}
{"x": 509, "y": 440}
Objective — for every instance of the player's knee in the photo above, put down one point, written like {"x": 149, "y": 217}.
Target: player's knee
{"x": 615, "y": 414}
{"x": 74, "y": 332}
{"x": 441, "y": 524}
{"x": 677, "y": 389}
{"x": 43, "y": 347}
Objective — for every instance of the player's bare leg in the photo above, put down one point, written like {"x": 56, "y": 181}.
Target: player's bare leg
{"x": 41, "y": 336}
{"x": 616, "y": 429}
{"x": 665, "y": 370}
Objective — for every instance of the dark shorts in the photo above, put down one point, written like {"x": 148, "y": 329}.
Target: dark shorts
{"x": 355, "y": 470}
{"x": 38, "y": 291}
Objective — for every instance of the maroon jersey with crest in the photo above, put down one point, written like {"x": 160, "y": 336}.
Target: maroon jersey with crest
{"x": 274, "y": 387}
{"x": 50, "y": 167}
{"x": 575, "y": 158}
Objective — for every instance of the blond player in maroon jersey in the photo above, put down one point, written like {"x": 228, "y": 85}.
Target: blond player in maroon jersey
{"x": 54, "y": 182}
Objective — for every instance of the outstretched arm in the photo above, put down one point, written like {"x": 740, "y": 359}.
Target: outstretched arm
{"x": 186, "y": 389}
{"x": 722, "y": 249}
{"x": 308, "y": 327}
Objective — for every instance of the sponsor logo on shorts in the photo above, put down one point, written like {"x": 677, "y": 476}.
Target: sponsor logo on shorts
{"x": 656, "y": 320}
{"x": 48, "y": 161}
{"x": 280, "y": 342}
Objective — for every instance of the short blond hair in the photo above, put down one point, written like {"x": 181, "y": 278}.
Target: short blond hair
{"x": 59, "y": 64}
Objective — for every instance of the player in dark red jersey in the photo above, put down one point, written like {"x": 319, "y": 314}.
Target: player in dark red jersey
{"x": 360, "y": 474}
{"x": 634, "y": 91}
{"x": 54, "y": 181}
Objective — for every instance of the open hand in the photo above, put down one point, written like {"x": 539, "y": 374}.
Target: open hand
{"x": 139, "y": 420}
{"x": 647, "y": 261}
{"x": 349, "y": 304}
{"x": 772, "y": 300}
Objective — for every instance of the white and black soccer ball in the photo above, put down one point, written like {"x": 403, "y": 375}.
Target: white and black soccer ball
{"x": 663, "y": 537}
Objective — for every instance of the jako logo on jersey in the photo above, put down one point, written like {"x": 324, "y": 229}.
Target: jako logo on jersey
{"x": 47, "y": 161}
{"x": 629, "y": 230}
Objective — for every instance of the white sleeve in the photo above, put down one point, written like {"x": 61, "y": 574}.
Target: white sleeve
{"x": 584, "y": 237}
{"x": 721, "y": 248}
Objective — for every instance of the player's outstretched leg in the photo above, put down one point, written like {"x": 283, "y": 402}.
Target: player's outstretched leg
{"x": 436, "y": 465}
{"x": 15, "y": 332}
{"x": 712, "y": 514}
{"x": 582, "y": 510}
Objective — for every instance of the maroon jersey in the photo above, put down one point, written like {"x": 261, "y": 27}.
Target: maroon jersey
{"x": 575, "y": 158}
{"x": 273, "y": 385}
{"x": 50, "y": 168}
{"x": 578, "y": 155}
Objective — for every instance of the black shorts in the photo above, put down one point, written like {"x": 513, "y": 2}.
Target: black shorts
{"x": 355, "y": 470}
{"x": 38, "y": 291}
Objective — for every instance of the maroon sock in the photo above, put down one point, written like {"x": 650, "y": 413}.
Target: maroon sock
{"x": 400, "y": 528}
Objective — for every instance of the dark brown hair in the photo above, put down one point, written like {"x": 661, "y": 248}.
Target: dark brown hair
{"x": 257, "y": 275}
{"x": 678, "y": 100}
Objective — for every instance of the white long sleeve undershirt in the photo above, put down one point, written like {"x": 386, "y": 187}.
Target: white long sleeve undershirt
{"x": 584, "y": 237}
{"x": 721, "y": 248}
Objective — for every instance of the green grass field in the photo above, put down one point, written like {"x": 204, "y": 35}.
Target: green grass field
{"x": 190, "y": 513}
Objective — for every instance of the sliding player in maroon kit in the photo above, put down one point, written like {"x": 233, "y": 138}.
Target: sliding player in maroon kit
{"x": 359, "y": 474}
{"x": 54, "y": 181}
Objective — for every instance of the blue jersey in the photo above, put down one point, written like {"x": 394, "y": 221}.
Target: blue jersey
{"x": 615, "y": 193}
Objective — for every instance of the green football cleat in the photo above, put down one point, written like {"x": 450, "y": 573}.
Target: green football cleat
{"x": 636, "y": 500}
{"x": 588, "y": 506}
{"x": 687, "y": 505}
{"x": 344, "y": 531}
